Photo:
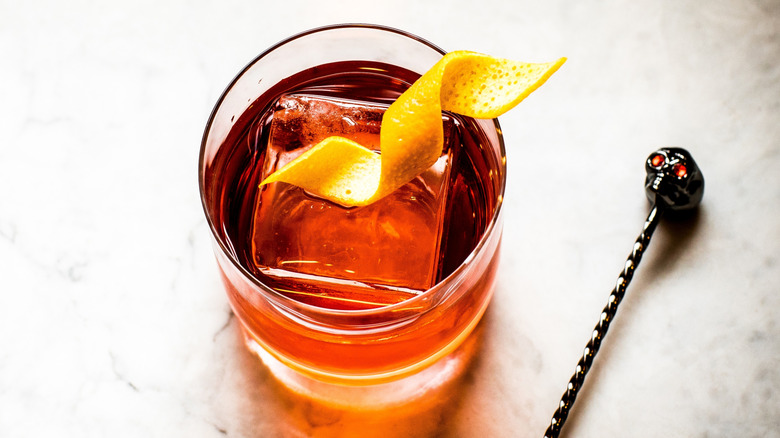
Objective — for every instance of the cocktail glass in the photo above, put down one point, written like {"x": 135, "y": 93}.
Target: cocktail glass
{"x": 311, "y": 347}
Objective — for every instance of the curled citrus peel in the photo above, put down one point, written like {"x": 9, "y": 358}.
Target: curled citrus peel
{"x": 411, "y": 137}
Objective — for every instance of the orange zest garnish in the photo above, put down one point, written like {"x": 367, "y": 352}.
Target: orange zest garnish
{"x": 411, "y": 137}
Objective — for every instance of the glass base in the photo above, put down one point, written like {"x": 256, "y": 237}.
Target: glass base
{"x": 435, "y": 383}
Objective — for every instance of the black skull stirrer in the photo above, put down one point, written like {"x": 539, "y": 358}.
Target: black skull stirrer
{"x": 674, "y": 184}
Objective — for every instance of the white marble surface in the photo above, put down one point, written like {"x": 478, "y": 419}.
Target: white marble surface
{"x": 112, "y": 318}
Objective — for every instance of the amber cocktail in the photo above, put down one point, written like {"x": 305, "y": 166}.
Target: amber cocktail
{"x": 358, "y": 295}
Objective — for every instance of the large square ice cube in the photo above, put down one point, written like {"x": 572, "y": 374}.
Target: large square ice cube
{"x": 303, "y": 242}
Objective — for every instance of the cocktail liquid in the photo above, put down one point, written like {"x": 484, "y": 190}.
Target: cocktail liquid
{"x": 359, "y": 260}
{"x": 331, "y": 256}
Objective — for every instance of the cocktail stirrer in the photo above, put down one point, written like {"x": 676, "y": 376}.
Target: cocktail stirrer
{"x": 674, "y": 183}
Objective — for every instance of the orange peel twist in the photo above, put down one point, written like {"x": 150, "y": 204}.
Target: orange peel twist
{"x": 411, "y": 136}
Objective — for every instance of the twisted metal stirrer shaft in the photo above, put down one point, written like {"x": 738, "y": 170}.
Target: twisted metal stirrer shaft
{"x": 585, "y": 362}
{"x": 674, "y": 183}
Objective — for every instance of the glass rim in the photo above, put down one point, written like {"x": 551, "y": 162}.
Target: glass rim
{"x": 289, "y": 303}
